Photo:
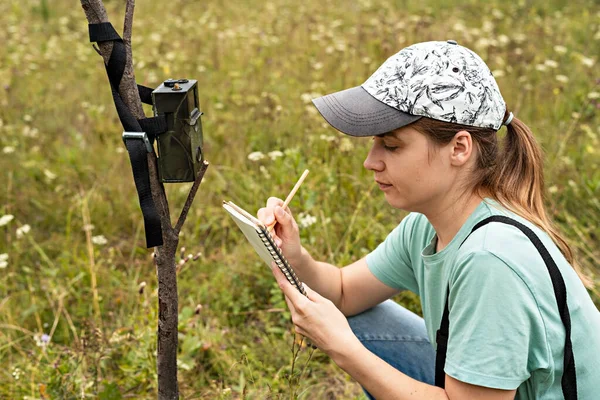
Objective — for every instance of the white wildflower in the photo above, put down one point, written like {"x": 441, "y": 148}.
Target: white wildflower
{"x": 459, "y": 26}
{"x": 305, "y": 220}
{"x": 27, "y": 118}
{"x": 30, "y": 132}
{"x": 5, "y": 219}
{"x": 541, "y": 67}
{"x": 256, "y": 156}
{"x": 551, "y": 63}
{"x": 3, "y": 260}
{"x": 593, "y": 95}
{"x": 327, "y": 138}
{"x": 488, "y": 26}
{"x": 497, "y": 73}
{"x": 553, "y": 189}
{"x": 306, "y": 97}
{"x": 562, "y": 78}
{"x": 482, "y": 43}
{"x": 23, "y": 230}
{"x": 560, "y": 49}
{"x": 317, "y": 65}
{"x": 99, "y": 240}
{"x": 265, "y": 172}
{"x": 497, "y": 13}
{"x": 291, "y": 151}
{"x": 274, "y": 155}
{"x": 88, "y": 227}
{"x": 588, "y": 62}
{"x": 311, "y": 110}
{"x": 49, "y": 174}
{"x": 8, "y": 149}
{"x": 346, "y": 145}
{"x": 503, "y": 39}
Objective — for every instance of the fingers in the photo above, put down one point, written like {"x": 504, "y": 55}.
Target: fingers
{"x": 274, "y": 201}
{"x": 312, "y": 295}
{"x": 290, "y": 305}
{"x": 282, "y": 216}
{"x": 298, "y": 300}
{"x": 265, "y": 215}
{"x": 267, "y": 212}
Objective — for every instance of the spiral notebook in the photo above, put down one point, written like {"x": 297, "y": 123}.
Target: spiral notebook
{"x": 262, "y": 242}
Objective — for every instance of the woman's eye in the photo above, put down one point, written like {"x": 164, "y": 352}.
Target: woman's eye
{"x": 390, "y": 148}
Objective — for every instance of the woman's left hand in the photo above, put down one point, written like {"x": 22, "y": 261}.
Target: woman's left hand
{"x": 317, "y": 318}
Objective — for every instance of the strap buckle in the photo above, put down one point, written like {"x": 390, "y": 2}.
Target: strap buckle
{"x": 138, "y": 135}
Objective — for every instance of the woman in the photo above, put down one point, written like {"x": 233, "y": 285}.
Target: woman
{"x": 492, "y": 289}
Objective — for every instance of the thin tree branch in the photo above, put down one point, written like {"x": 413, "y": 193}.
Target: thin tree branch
{"x": 128, "y": 23}
{"x": 190, "y": 198}
{"x": 164, "y": 255}
{"x": 132, "y": 96}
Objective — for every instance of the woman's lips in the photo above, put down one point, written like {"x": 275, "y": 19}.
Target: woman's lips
{"x": 383, "y": 186}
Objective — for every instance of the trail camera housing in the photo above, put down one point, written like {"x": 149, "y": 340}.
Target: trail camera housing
{"x": 180, "y": 153}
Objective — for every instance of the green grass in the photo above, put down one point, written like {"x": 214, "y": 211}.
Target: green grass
{"x": 257, "y": 64}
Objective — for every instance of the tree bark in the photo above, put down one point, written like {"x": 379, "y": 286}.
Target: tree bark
{"x": 168, "y": 311}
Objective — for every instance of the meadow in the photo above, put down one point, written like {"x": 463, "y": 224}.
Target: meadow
{"x": 70, "y": 225}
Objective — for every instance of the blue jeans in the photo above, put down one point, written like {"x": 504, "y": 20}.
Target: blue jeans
{"x": 397, "y": 336}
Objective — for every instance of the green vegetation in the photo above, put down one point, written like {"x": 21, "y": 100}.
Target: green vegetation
{"x": 77, "y": 229}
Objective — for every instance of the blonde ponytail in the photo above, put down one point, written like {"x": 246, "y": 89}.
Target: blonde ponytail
{"x": 518, "y": 184}
{"x": 512, "y": 174}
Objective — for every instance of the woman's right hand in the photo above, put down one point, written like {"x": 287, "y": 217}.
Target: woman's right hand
{"x": 286, "y": 232}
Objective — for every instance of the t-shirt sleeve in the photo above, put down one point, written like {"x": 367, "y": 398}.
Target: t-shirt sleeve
{"x": 391, "y": 261}
{"x": 494, "y": 322}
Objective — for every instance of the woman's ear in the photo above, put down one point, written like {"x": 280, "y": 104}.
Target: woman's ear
{"x": 462, "y": 148}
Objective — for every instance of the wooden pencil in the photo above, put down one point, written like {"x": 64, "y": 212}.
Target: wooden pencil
{"x": 290, "y": 196}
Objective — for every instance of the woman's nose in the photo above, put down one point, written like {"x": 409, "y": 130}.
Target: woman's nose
{"x": 372, "y": 162}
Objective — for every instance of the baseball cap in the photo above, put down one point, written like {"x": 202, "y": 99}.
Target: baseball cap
{"x": 440, "y": 80}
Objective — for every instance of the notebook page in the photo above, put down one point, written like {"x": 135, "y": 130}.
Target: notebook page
{"x": 251, "y": 231}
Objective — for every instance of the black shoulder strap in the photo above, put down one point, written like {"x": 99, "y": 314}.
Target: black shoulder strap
{"x": 569, "y": 378}
{"x": 138, "y": 150}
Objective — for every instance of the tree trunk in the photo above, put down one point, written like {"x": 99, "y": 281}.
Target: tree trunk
{"x": 168, "y": 388}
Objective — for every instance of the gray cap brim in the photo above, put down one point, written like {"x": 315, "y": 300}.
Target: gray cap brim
{"x": 355, "y": 112}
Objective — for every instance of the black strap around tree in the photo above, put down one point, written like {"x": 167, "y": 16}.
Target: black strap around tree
{"x": 569, "y": 378}
{"x": 137, "y": 149}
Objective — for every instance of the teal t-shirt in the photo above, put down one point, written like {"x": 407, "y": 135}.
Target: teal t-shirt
{"x": 505, "y": 328}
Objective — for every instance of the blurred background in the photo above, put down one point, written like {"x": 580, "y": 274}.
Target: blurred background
{"x": 70, "y": 223}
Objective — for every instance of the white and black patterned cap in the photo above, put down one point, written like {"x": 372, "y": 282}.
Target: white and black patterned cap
{"x": 439, "y": 80}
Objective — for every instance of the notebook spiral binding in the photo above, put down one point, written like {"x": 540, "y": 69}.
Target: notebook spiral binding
{"x": 281, "y": 261}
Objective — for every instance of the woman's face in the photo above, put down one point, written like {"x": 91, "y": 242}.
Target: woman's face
{"x": 413, "y": 174}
